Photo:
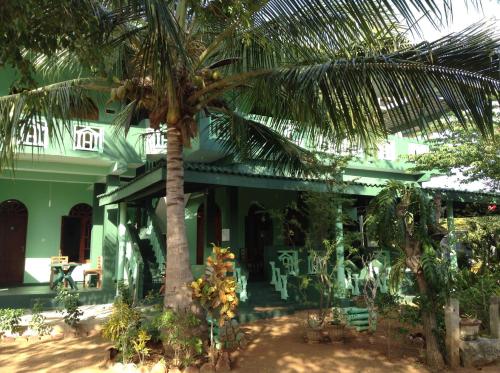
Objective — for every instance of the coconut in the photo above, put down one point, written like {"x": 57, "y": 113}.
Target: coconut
{"x": 121, "y": 92}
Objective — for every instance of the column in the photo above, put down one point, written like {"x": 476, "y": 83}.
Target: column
{"x": 452, "y": 340}
{"x": 122, "y": 211}
{"x": 451, "y": 234}
{"x": 495, "y": 317}
{"x": 339, "y": 229}
{"x": 109, "y": 240}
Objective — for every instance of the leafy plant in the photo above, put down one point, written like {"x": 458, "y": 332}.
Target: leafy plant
{"x": 122, "y": 328}
{"x": 140, "y": 345}
{"x": 370, "y": 288}
{"x": 474, "y": 291}
{"x": 10, "y": 319}
{"x": 177, "y": 331}
{"x": 38, "y": 320}
{"x": 69, "y": 303}
{"x": 124, "y": 293}
{"x": 324, "y": 282}
{"x": 215, "y": 290}
{"x": 403, "y": 218}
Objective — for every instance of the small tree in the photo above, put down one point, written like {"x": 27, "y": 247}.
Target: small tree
{"x": 370, "y": 290}
{"x": 215, "y": 290}
{"x": 401, "y": 218}
{"x": 325, "y": 284}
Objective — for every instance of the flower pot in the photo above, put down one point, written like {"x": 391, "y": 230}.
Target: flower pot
{"x": 336, "y": 332}
{"x": 469, "y": 329}
{"x": 313, "y": 336}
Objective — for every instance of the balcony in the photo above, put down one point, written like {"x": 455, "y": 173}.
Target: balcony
{"x": 36, "y": 135}
{"x": 156, "y": 141}
{"x": 88, "y": 138}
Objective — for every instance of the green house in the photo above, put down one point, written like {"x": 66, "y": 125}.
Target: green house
{"x": 97, "y": 196}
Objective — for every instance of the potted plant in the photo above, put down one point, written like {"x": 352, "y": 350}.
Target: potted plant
{"x": 469, "y": 327}
{"x": 336, "y": 326}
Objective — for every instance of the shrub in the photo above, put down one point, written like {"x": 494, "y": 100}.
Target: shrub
{"x": 215, "y": 290}
{"x": 69, "y": 303}
{"x": 38, "y": 320}
{"x": 122, "y": 328}
{"x": 177, "y": 332}
{"x": 124, "y": 293}
{"x": 474, "y": 291}
{"x": 10, "y": 319}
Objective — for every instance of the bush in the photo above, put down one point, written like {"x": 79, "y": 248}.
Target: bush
{"x": 122, "y": 328}
{"x": 69, "y": 303}
{"x": 10, "y": 319}
{"x": 474, "y": 291}
{"x": 38, "y": 320}
{"x": 177, "y": 332}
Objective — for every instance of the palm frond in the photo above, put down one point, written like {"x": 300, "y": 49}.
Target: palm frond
{"x": 249, "y": 139}
{"x": 57, "y": 105}
{"x": 162, "y": 42}
{"x": 341, "y": 98}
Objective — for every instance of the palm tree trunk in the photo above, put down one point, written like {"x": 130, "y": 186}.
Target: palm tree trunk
{"x": 433, "y": 354}
{"x": 178, "y": 270}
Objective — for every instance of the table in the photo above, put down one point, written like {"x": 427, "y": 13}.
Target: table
{"x": 63, "y": 273}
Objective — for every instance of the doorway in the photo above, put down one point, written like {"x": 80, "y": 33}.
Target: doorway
{"x": 13, "y": 228}
{"x": 200, "y": 232}
{"x": 258, "y": 234}
{"x": 76, "y": 231}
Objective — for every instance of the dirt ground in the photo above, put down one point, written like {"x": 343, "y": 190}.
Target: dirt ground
{"x": 276, "y": 346}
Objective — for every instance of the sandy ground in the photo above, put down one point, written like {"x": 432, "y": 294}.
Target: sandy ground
{"x": 276, "y": 346}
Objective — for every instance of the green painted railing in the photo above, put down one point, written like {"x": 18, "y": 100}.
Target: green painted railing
{"x": 156, "y": 238}
{"x": 134, "y": 264}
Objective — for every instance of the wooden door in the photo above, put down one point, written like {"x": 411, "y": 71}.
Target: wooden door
{"x": 71, "y": 237}
{"x": 13, "y": 228}
{"x": 200, "y": 235}
{"x": 258, "y": 234}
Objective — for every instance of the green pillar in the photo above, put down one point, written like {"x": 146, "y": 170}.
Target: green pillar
{"x": 451, "y": 234}
{"x": 210, "y": 208}
{"x": 122, "y": 211}
{"x": 339, "y": 228}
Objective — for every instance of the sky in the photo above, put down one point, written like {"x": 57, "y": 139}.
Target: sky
{"x": 462, "y": 17}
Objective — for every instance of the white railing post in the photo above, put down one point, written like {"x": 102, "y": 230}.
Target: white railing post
{"x": 273, "y": 273}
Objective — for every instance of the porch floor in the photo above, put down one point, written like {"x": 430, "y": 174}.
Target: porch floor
{"x": 25, "y": 296}
{"x": 264, "y": 302}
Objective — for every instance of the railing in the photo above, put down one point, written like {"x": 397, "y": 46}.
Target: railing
{"x": 88, "y": 138}
{"x": 156, "y": 141}
{"x": 36, "y": 135}
{"x": 134, "y": 264}
{"x": 156, "y": 238}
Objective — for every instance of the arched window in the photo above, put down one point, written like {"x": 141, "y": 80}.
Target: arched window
{"x": 13, "y": 228}
{"x": 200, "y": 232}
{"x": 76, "y": 231}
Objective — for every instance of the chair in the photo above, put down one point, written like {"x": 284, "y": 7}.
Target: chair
{"x": 56, "y": 260}
{"x": 97, "y": 271}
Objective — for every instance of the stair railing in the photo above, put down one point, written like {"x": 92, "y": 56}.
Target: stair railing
{"x": 156, "y": 238}
{"x": 134, "y": 264}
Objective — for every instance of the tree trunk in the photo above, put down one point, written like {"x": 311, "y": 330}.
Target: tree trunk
{"x": 433, "y": 354}
{"x": 178, "y": 270}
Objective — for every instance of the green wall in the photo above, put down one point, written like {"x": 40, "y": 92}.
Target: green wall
{"x": 46, "y": 203}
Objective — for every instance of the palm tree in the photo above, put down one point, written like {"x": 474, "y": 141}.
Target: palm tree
{"x": 404, "y": 219}
{"x": 259, "y": 69}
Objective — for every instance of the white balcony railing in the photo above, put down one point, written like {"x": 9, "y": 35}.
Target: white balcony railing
{"x": 88, "y": 138}
{"x": 387, "y": 151}
{"x": 417, "y": 149}
{"x": 156, "y": 141}
{"x": 36, "y": 135}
